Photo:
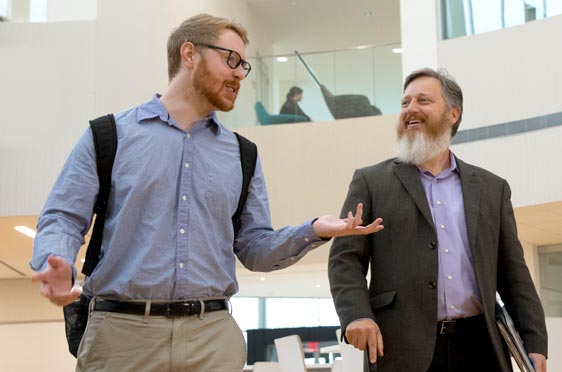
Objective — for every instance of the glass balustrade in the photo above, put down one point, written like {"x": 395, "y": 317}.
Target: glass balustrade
{"x": 339, "y": 84}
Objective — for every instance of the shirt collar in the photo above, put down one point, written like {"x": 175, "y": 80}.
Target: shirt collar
{"x": 155, "y": 109}
{"x": 446, "y": 172}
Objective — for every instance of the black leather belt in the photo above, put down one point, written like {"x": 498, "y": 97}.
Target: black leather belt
{"x": 452, "y": 326}
{"x": 169, "y": 309}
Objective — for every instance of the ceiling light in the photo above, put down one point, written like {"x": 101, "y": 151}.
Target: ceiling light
{"x": 317, "y": 285}
{"x": 26, "y": 231}
{"x": 282, "y": 59}
{"x": 397, "y": 50}
{"x": 262, "y": 278}
{"x": 368, "y": 13}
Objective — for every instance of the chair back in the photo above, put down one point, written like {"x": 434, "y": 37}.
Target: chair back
{"x": 265, "y": 118}
{"x": 290, "y": 354}
{"x": 261, "y": 113}
{"x": 345, "y": 106}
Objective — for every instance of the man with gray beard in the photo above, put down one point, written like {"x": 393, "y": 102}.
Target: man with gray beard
{"x": 450, "y": 242}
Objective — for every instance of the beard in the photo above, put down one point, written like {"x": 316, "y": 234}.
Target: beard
{"x": 418, "y": 146}
{"x": 204, "y": 82}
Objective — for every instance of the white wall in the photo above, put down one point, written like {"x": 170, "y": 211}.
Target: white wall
{"x": 554, "y": 328}
{"x": 528, "y": 161}
{"x": 35, "y": 347}
{"x": 47, "y": 97}
{"x": 508, "y": 74}
{"x": 71, "y": 10}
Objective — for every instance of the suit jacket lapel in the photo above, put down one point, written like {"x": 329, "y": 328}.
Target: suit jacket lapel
{"x": 471, "y": 190}
{"x": 409, "y": 175}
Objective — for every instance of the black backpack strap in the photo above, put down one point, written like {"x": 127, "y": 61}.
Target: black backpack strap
{"x": 105, "y": 143}
{"x": 248, "y": 159}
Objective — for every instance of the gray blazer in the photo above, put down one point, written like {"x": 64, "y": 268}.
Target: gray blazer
{"x": 401, "y": 296}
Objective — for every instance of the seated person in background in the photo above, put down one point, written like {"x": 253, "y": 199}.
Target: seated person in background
{"x": 291, "y": 105}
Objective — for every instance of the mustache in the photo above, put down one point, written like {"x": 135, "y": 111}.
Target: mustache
{"x": 233, "y": 83}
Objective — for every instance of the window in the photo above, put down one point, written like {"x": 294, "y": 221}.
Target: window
{"x": 468, "y": 17}
{"x": 550, "y": 266}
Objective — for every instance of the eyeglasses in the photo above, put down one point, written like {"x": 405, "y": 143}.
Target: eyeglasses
{"x": 234, "y": 58}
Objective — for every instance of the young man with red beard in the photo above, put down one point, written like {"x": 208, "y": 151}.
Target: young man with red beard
{"x": 169, "y": 242}
{"x": 449, "y": 243}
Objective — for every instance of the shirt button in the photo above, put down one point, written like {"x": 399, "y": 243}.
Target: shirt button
{"x": 438, "y": 202}
{"x": 182, "y": 231}
{"x": 453, "y": 307}
{"x": 449, "y": 277}
{"x": 446, "y": 250}
{"x": 186, "y": 165}
{"x": 442, "y": 226}
{"x": 181, "y": 265}
{"x": 432, "y": 285}
{"x": 306, "y": 240}
{"x": 188, "y": 135}
{"x": 434, "y": 180}
{"x": 184, "y": 197}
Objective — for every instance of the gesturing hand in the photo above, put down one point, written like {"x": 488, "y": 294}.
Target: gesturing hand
{"x": 331, "y": 226}
{"x": 56, "y": 282}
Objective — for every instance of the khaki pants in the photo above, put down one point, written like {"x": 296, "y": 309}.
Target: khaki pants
{"x": 123, "y": 342}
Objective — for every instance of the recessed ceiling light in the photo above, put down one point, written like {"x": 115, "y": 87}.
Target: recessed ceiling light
{"x": 317, "y": 285}
{"x": 282, "y": 59}
{"x": 262, "y": 278}
{"x": 26, "y": 231}
{"x": 368, "y": 13}
{"x": 397, "y": 50}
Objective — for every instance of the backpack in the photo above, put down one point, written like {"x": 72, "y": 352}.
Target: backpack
{"x": 105, "y": 143}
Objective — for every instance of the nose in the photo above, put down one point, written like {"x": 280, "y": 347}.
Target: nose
{"x": 239, "y": 72}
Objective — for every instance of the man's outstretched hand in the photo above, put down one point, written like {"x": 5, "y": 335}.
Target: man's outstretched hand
{"x": 331, "y": 226}
{"x": 56, "y": 282}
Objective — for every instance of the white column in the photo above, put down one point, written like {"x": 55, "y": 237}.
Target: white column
{"x": 420, "y": 30}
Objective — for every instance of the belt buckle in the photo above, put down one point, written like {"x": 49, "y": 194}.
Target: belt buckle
{"x": 444, "y": 323}
{"x": 179, "y": 309}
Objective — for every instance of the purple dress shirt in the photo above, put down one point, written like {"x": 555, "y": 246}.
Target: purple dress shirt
{"x": 458, "y": 294}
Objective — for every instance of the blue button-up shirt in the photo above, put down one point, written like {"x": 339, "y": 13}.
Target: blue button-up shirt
{"x": 458, "y": 294}
{"x": 168, "y": 231}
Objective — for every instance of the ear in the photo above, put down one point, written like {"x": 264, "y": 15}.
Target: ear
{"x": 454, "y": 115}
{"x": 187, "y": 52}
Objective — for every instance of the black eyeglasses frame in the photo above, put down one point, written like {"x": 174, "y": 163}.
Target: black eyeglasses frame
{"x": 245, "y": 64}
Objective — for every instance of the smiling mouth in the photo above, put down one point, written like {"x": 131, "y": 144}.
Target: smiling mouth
{"x": 414, "y": 123}
{"x": 232, "y": 88}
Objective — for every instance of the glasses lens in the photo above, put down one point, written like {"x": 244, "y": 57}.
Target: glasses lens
{"x": 234, "y": 59}
{"x": 246, "y": 66}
